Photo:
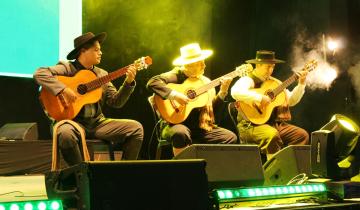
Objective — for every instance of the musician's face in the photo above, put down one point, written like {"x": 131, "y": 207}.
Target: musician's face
{"x": 265, "y": 70}
{"x": 93, "y": 54}
{"x": 194, "y": 69}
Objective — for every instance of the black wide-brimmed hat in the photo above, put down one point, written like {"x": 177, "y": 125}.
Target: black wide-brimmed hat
{"x": 80, "y": 41}
{"x": 265, "y": 56}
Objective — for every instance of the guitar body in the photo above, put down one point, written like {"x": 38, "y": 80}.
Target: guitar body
{"x": 252, "y": 113}
{"x": 54, "y": 105}
{"x": 172, "y": 111}
{"x": 90, "y": 90}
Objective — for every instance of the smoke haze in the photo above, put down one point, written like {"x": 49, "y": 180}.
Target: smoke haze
{"x": 306, "y": 49}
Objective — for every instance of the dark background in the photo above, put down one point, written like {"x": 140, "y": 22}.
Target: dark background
{"x": 233, "y": 29}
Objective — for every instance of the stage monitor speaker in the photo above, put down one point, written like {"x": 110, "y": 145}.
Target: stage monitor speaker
{"x": 289, "y": 162}
{"x": 151, "y": 185}
{"x": 19, "y": 131}
{"x": 228, "y": 165}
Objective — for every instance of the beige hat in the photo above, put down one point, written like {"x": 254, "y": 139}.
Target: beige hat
{"x": 191, "y": 53}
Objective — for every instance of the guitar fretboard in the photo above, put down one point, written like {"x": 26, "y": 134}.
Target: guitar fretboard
{"x": 285, "y": 84}
{"x": 216, "y": 81}
{"x": 139, "y": 64}
{"x": 107, "y": 78}
{"x": 311, "y": 65}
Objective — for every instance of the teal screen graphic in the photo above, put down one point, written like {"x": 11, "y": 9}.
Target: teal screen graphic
{"x": 29, "y": 36}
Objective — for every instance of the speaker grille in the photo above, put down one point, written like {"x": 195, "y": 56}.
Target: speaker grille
{"x": 19, "y": 131}
{"x": 228, "y": 165}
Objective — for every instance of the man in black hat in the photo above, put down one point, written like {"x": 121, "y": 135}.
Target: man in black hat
{"x": 128, "y": 133}
{"x": 275, "y": 132}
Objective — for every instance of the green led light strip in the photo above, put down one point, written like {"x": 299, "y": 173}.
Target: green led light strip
{"x": 228, "y": 194}
{"x": 32, "y": 205}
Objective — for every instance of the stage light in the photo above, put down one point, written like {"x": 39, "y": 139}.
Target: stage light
{"x": 256, "y": 193}
{"x": 55, "y": 205}
{"x": 14, "y": 207}
{"x": 333, "y": 45}
{"x": 28, "y": 206}
{"x": 346, "y": 134}
{"x": 333, "y": 153}
{"x": 32, "y": 205}
{"x": 269, "y": 196}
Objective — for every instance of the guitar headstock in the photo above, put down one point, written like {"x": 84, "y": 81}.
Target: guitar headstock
{"x": 143, "y": 63}
{"x": 244, "y": 69}
{"x": 311, "y": 65}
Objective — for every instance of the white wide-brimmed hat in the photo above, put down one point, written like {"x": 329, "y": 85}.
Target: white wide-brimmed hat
{"x": 191, "y": 53}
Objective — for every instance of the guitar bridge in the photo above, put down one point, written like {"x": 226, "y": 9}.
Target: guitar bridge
{"x": 257, "y": 108}
{"x": 177, "y": 110}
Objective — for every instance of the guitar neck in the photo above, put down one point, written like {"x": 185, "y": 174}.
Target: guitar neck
{"x": 309, "y": 66}
{"x": 141, "y": 63}
{"x": 285, "y": 84}
{"x": 214, "y": 83}
{"x": 107, "y": 78}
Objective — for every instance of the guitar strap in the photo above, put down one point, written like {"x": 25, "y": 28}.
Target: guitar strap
{"x": 206, "y": 117}
{"x": 55, "y": 165}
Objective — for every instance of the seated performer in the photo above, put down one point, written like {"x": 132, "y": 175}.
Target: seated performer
{"x": 257, "y": 122}
{"x": 127, "y": 133}
{"x": 199, "y": 124}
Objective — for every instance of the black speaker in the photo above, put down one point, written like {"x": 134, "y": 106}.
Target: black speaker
{"x": 19, "y": 131}
{"x": 228, "y": 165}
{"x": 286, "y": 164}
{"x": 160, "y": 185}
{"x": 323, "y": 157}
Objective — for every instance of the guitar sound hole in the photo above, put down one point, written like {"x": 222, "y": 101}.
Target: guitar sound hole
{"x": 191, "y": 94}
{"x": 82, "y": 89}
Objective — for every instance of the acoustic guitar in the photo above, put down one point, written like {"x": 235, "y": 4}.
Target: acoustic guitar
{"x": 275, "y": 91}
{"x": 196, "y": 91}
{"x": 87, "y": 87}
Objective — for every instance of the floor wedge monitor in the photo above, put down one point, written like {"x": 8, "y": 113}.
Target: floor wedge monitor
{"x": 286, "y": 164}
{"x": 228, "y": 165}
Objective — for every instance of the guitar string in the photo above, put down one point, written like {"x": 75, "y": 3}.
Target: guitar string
{"x": 216, "y": 82}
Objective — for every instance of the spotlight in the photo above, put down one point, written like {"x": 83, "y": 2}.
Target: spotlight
{"x": 333, "y": 45}
{"x": 332, "y": 148}
{"x": 346, "y": 134}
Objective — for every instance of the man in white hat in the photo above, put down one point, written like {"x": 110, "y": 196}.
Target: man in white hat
{"x": 276, "y": 133}
{"x": 127, "y": 133}
{"x": 199, "y": 127}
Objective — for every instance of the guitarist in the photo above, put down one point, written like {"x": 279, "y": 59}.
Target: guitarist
{"x": 199, "y": 127}
{"x": 85, "y": 55}
{"x": 276, "y": 132}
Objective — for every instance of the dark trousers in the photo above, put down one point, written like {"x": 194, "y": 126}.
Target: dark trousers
{"x": 272, "y": 138}
{"x": 126, "y": 133}
{"x": 181, "y": 136}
